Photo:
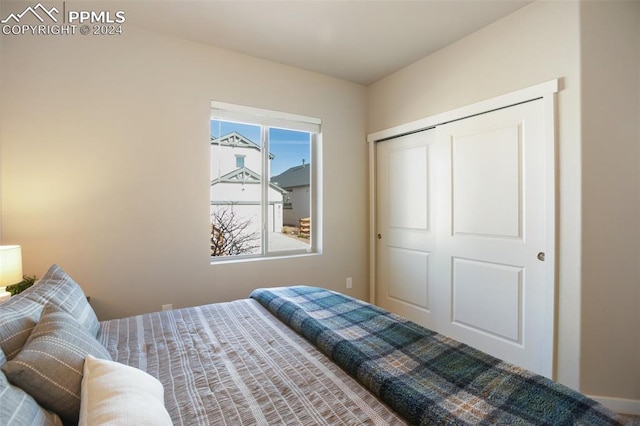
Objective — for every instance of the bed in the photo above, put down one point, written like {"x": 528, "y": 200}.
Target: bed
{"x": 283, "y": 356}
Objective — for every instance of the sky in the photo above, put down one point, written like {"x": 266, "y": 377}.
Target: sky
{"x": 289, "y": 147}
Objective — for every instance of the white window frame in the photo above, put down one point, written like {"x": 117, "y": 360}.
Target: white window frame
{"x": 276, "y": 119}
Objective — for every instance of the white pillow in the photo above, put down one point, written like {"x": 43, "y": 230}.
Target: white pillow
{"x": 117, "y": 394}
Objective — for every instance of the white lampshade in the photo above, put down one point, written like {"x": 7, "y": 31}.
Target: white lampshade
{"x": 10, "y": 265}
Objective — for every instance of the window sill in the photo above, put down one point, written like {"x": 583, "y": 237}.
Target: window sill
{"x": 223, "y": 260}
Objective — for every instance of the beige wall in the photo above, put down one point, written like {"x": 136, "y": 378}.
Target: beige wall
{"x": 598, "y": 282}
{"x": 510, "y": 54}
{"x": 610, "y": 58}
{"x": 104, "y": 152}
{"x": 104, "y": 165}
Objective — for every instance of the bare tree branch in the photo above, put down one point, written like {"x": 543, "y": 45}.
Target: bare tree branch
{"x": 230, "y": 235}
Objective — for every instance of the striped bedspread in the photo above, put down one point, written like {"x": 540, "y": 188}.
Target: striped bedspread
{"x": 236, "y": 364}
{"x": 426, "y": 377}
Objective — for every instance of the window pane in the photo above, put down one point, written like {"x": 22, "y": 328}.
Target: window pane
{"x": 262, "y": 181}
{"x": 236, "y": 190}
{"x": 290, "y": 175}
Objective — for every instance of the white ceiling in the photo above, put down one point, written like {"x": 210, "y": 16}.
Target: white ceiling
{"x": 359, "y": 41}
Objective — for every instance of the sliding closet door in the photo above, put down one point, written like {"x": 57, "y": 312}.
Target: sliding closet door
{"x": 491, "y": 282}
{"x": 463, "y": 218}
{"x": 405, "y": 228}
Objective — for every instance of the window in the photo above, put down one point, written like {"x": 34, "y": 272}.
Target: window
{"x": 264, "y": 186}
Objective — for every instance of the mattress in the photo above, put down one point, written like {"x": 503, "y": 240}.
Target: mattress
{"x": 236, "y": 364}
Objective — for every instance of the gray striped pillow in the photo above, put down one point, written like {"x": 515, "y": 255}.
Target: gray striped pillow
{"x": 59, "y": 289}
{"x": 20, "y": 409}
{"x": 49, "y": 366}
{"x": 18, "y": 315}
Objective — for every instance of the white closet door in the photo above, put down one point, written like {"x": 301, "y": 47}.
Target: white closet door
{"x": 462, "y": 218}
{"x": 491, "y": 279}
{"x": 406, "y": 233}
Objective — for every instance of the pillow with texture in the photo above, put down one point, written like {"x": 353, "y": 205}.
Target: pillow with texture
{"x": 118, "y": 394}
{"x": 18, "y": 315}
{"x": 19, "y": 409}
{"x": 49, "y": 366}
{"x": 57, "y": 288}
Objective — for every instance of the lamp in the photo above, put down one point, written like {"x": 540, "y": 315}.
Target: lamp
{"x": 10, "y": 269}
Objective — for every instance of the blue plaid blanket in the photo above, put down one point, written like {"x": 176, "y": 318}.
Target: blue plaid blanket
{"x": 427, "y": 378}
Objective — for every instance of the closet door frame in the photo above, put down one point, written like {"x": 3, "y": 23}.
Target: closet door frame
{"x": 547, "y": 92}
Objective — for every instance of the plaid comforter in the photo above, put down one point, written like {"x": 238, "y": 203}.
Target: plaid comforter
{"x": 424, "y": 376}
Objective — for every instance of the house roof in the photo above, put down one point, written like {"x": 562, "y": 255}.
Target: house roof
{"x": 245, "y": 176}
{"x": 235, "y": 139}
{"x": 295, "y": 176}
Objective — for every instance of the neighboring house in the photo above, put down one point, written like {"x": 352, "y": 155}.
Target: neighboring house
{"x": 297, "y": 201}
{"x": 235, "y": 183}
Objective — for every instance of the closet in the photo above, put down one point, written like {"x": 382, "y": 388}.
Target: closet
{"x": 463, "y": 225}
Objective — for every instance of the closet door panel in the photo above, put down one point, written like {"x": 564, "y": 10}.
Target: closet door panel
{"x": 487, "y": 182}
{"x": 491, "y": 284}
{"x": 406, "y": 239}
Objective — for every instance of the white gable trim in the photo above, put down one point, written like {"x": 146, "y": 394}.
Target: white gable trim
{"x": 244, "y": 176}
